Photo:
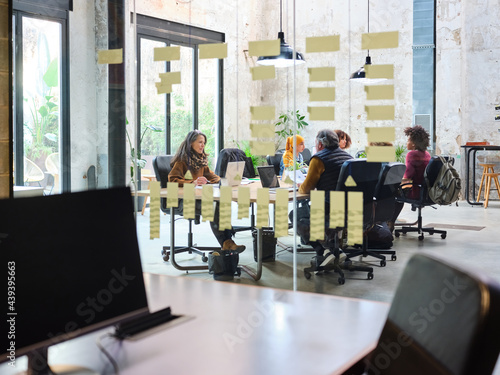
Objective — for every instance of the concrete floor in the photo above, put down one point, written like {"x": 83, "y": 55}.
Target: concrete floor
{"x": 472, "y": 241}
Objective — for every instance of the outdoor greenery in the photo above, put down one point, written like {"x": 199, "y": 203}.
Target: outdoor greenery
{"x": 284, "y": 126}
{"x": 44, "y": 125}
{"x": 257, "y": 160}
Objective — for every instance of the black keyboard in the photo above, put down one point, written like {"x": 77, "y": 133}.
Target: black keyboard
{"x": 143, "y": 323}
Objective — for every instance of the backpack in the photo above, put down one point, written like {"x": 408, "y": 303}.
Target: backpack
{"x": 447, "y": 186}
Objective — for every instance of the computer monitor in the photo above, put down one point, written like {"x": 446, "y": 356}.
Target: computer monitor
{"x": 70, "y": 265}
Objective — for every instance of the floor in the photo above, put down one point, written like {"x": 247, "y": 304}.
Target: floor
{"x": 472, "y": 241}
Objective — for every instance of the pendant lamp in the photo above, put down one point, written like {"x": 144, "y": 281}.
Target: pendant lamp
{"x": 360, "y": 74}
{"x": 285, "y": 58}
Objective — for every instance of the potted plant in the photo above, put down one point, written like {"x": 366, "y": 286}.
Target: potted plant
{"x": 136, "y": 154}
{"x": 257, "y": 160}
{"x": 284, "y": 126}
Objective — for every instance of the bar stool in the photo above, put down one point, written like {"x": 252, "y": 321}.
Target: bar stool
{"x": 487, "y": 168}
{"x": 490, "y": 176}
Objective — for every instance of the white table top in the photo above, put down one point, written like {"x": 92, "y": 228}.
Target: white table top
{"x": 238, "y": 329}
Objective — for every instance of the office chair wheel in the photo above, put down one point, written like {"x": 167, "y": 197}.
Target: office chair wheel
{"x": 341, "y": 281}
{"x": 443, "y": 235}
{"x": 431, "y": 233}
{"x": 396, "y": 234}
{"x": 393, "y": 257}
{"x": 370, "y": 275}
{"x": 421, "y": 237}
{"x": 165, "y": 255}
{"x": 307, "y": 275}
{"x": 204, "y": 258}
{"x": 382, "y": 263}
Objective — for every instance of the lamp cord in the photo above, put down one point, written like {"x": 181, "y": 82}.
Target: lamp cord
{"x": 281, "y": 15}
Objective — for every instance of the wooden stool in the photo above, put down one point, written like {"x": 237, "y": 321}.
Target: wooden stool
{"x": 490, "y": 176}
{"x": 487, "y": 168}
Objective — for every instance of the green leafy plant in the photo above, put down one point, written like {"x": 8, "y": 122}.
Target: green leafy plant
{"x": 257, "y": 160}
{"x": 285, "y": 123}
{"x": 44, "y": 115}
{"x": 400, "y": 153}
{"x": 141, "y": 163}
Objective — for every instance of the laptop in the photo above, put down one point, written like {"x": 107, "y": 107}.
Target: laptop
{"x": 234, "y": 172}
{"x": 269, "y": 179}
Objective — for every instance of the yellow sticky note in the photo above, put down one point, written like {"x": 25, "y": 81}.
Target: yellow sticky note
{"x": 262, "y": 131}
{"x": 262, "y": 148}
{"x": 321, "y": 94}
{"x": 379, "y": 112}
{"x": 262, "y": 207}
{"x": 154, "y": 209}
{"x": 381, "y": 134}
{"x": 213, "y": 51}
{"x": 264, "y": 48}
{"x": 163, "y": 88}
{"x": 379, "y": 92}
{"x": 243, "y": 201}
{"x": 263, "y": 112}
{"x": 380, "y": 153}
{"x": 355, "y": 217}
{"x": 207, "y": 202}
{"x": 225, "y": 207}
{"x": 337, "y": 209}
{"x": 288, "y": 180}
{"x": 321, "y": 74}
{"x": 189, "y": 201}
{"x": 281, "y": 213}
{"x": 323, "y": 43}
{"x": 349, "y": 182}
{"x": 321, "y": 113}
{"x": 317, "y": 215}
{"x": 387, "y": 39}
{"x": 166, "y": 53}
{"x": 110, "y": 56}
{"x": 263, "y": 72}
{"x": 170, "y": 78}
{"x": 379, "y": 71}
{"x": 188, "y": 175}
{"x": 172, "y": 194}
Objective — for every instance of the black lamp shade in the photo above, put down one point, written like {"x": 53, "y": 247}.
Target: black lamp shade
{"x": 285, "y": 58}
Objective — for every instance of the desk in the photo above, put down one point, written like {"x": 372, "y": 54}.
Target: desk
{"x": 473, "y": 150}
{"x": 237, "y": 329}
{"x": 255, "y": 274}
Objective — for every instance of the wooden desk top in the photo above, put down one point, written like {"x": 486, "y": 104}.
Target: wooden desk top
{"x": 253, "y": 193}
{"x": 236, "y": 329}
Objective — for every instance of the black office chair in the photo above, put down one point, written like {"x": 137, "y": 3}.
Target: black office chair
{"x": 275, "y": 160}
{"x": 423, "y": 200}
{"x": 443, "y": 320}
{"x": 306, "y": 155}
{"x": 233, "y": 154}
{"x": 161, "y": 166}
{"x": 366, "y": 176}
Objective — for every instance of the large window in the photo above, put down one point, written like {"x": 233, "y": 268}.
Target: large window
{"x": 194, "y": 104}
{"x": 40, "y": 137}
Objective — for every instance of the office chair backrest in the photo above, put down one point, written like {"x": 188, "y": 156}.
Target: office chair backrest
{"x": 275, "y": 160}
{"x": 365, "y": 176}
{"x": 386, "y": 190}
{"x": 234, "y": 154}
{"x": 443, "y": 320}
{"x": 161, "y": 166}
{"x": 306, "y": 155}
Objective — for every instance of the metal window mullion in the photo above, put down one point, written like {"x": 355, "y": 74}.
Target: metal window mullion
{"x": 168, "y": 119}
{"x": 19, "y": 128}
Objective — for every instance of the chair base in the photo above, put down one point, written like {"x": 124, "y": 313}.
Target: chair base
{"x": 379, "y": 254}
{"x": 338, "y": 268}
{"x": 165, "y": 253}
{"x": 420, "y": 230}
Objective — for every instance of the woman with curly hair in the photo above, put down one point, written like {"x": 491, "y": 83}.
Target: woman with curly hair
{"x": 190, "y": 166}
{"x": 344, "y": 139}
{"x": 416, "y": 161}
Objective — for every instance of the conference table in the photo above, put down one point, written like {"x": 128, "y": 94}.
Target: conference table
{"x": 254, "y": 185}
{"x": 228, "y": 329}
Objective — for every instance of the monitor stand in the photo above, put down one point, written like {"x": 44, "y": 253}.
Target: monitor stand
{"x": 38, "y": 365}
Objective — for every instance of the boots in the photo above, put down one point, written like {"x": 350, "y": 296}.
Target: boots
{"x": 230, "y": 245}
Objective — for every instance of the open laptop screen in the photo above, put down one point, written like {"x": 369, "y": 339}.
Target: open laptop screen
{"x": 234, "y": 172}
{"x": 268, "y": 176}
